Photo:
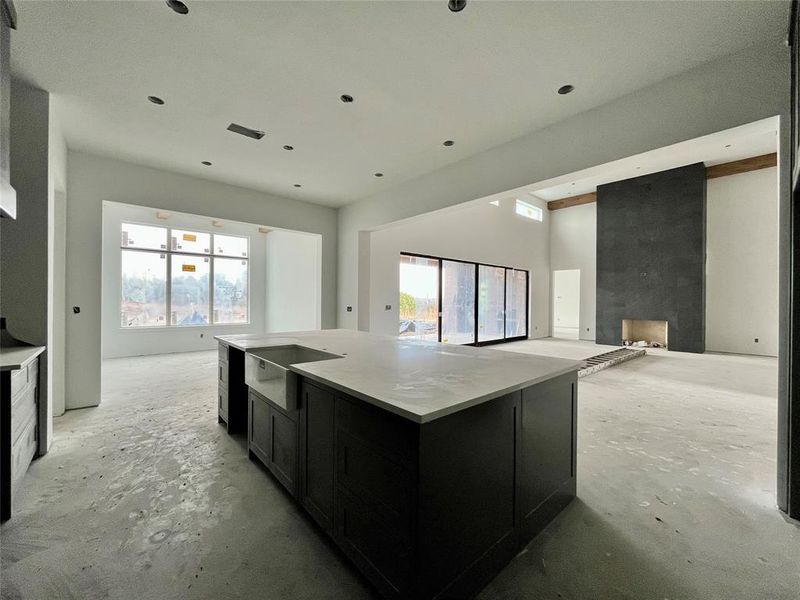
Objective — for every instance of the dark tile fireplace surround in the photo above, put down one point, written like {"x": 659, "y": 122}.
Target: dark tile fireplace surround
{"x": 651, "y": 249}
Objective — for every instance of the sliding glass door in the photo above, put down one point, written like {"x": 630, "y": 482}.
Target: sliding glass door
{"x": 516, "y": 303}
{"x": 491, "y": 303}
{"x": 458, "y": 302}
{"x": 419, "y": 297}
{"x": 462, "y": 302}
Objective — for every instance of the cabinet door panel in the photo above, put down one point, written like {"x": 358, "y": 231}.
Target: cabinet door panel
{"x": 223, "y": 373}
{"x": 259, "y": 430}
{"x": 222, "y": 402}
{"x": 318, "y": 453}
{"x": 381, "y": 554}
{"x": 384, "y": 485}
{"x": 546, "y": 442}
{"x": 283, "y": 448}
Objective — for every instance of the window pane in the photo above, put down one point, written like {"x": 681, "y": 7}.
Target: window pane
{"x": 529, "y": 210}
{"x": 230, "y": 245}
{"x": 191, "y": 241}
{"x": 144, "y": 289}
{"x": 230, "y": 290}
{"x": 144, "y": 236}
{"x": 516, "y": 303}
{"x": 419, "y": 298}
{"x": 458, "y": 302}
{"x": 190, "y": 276}
{"x": 491, "y": 309}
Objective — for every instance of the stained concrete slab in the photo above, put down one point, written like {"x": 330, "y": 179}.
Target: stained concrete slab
{"x": 147, "y": 497}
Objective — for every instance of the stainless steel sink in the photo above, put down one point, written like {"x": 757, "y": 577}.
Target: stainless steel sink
{"x": 266, "y": 370}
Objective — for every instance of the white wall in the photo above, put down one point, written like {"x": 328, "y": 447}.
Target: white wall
{"x": 742, "y": 263}
{"x": 479, "y": 232}
{"x": 119, "y": 341}
{"x": 57, "y": 262}
{"x": 93, "y": 179}
{"x": 293, "y": 275}
{"x": 573, "y": 245}
{"x": 733, "y": 90}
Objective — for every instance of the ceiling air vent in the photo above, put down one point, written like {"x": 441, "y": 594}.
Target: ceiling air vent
{"x": 246, "y": 131}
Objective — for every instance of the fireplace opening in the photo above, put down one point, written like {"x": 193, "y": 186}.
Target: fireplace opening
{"x": 647, "y": 334}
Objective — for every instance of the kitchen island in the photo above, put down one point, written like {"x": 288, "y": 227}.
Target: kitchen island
{"x": 431, "y": 466}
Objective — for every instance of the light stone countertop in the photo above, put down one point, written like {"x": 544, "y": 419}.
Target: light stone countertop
{"x": 420, "y": 381}
{"x": 15, "y": 357}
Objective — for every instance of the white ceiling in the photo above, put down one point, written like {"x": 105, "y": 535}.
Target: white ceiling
{"x": 419, "y": 74}
{"x": 752, "y": 139}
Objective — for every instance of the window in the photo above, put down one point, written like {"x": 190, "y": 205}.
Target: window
{"x": 144, "y": 289}
{"x": 461, "y": 302}
{"x": 516, "y": 303}
{"x": 529, "y": 210}
{"x": 458, "y": 302}
{"x": 178, "y": 277}
{"x": 491, "y": 303}
{"x": 419, "y": 298}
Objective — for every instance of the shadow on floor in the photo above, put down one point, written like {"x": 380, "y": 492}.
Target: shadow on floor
{"x": 582, "y": 555}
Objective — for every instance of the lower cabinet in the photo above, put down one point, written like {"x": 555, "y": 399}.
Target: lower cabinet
{"x": 424, "y": 511}
{"x": 317, "y": 453}
{"x": 272, "y": 438}
{"x": 19, "y": 429}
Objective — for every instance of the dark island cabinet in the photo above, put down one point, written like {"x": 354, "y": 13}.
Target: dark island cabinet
{"x": 231, "y": 390}
{"x": 431, "y": 510}
{"x": 272, "y": 438}
{"x": 317, "y": 453}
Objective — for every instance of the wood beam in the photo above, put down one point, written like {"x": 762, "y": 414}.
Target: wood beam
{"x": 745, "y": 165}
{"x": 754, "y": 163}
{"x": 572, "y": 201}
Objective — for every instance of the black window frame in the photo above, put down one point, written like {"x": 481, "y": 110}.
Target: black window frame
{"x": 477, "y": 266}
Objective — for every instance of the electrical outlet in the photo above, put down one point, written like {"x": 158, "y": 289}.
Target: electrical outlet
{"x": 755, "y": 340}
{"x": 349, "y": 309}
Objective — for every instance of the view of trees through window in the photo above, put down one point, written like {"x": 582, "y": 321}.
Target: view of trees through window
{"x": 479, "y": 303}
{"x": 171, "y": 284}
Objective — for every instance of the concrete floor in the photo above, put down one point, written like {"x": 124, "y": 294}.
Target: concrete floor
{"x": 147, "y": 497}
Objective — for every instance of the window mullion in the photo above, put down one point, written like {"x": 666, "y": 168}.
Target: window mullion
{"x": 168, "y": 294}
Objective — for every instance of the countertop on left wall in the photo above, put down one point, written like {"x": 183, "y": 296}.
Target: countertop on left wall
{"x": 16, "y": 357}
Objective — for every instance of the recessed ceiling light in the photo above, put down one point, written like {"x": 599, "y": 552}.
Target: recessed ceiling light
{"x": 297, "y": 185}
{"x": 378, "y": 174}
{"x": 565, "y": 89}
{"x": 206, "y": 163}
{"x": 456, "y": 5}
{"x": 288, "y": 147}
{"x": 246, "y": 131}
{"x": 178, "y": 6}
{"x": 155, "y": 100}
{"x": 448, "y": 143}
{"x": 346, "y": 98}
